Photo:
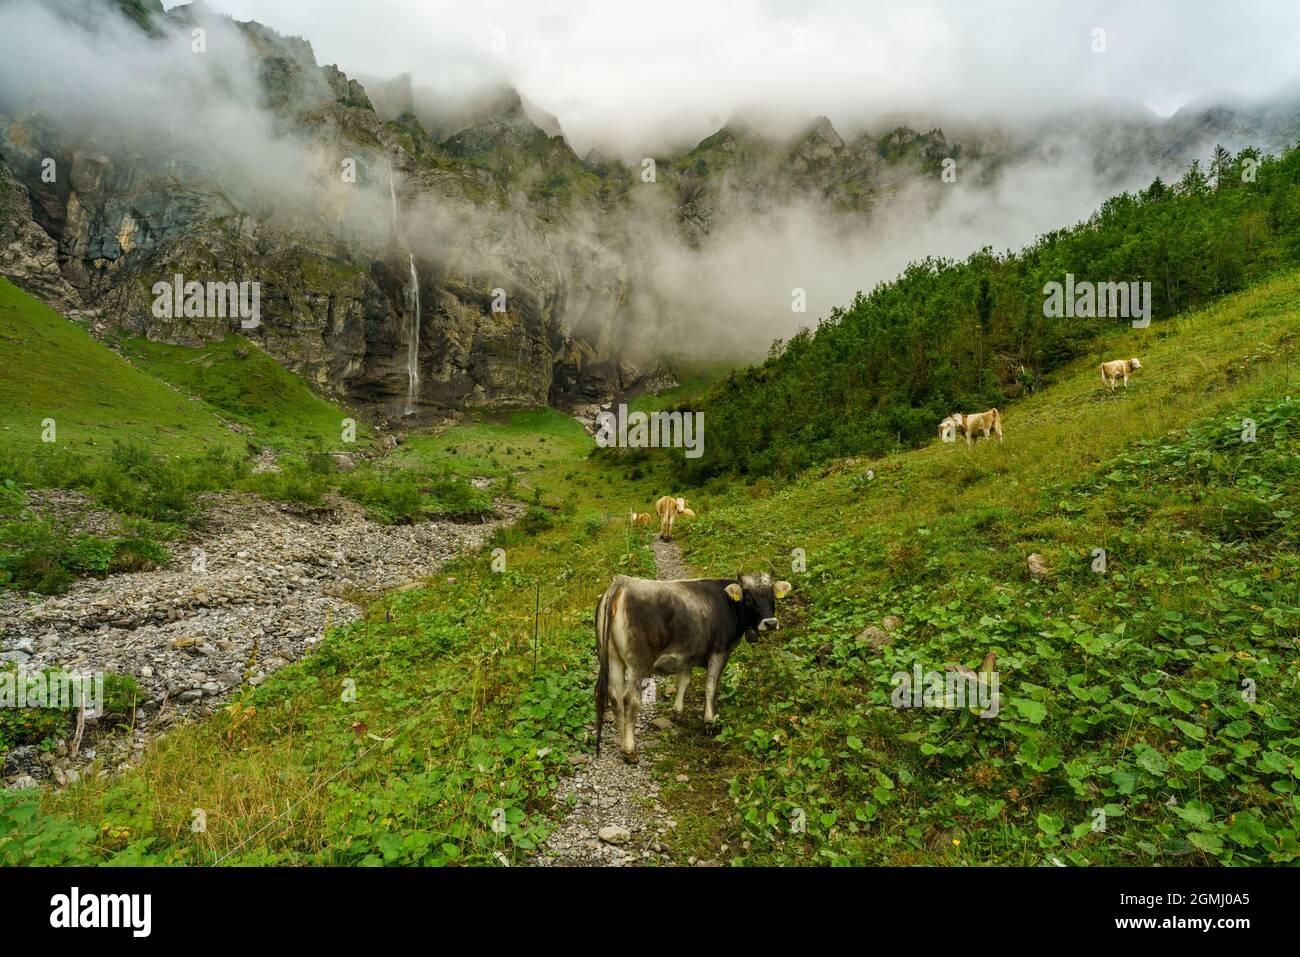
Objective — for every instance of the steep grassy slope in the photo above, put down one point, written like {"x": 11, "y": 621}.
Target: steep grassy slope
{"x": 1125, "y": 734}
{"x": 1120, "y": 692}
{"x": 54, "y": 369}
{"x": 247, "y": 386}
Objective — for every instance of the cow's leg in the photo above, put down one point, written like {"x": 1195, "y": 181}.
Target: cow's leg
{"x": 1126, "y": 381}
{"x": 683, "y": 681}
{"x": 616, "y": 692}
{"x": 631, "y": 704}
{"x": 716, "y": 663}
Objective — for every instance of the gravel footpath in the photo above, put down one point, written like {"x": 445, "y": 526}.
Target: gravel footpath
{"x": 610, "y": 810}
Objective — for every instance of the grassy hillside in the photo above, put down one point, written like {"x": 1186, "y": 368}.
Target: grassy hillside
{"x": 694, "y": 379}
{"x": 499, "y": 444}
{"x": 54, "y": 369}
{"x": 1120, "y": 691}
{"x": 451, "y": 725}
{"x": 963, "y": 336}
{"x": 146, "y": 438}
{"x": 247, "y": 386}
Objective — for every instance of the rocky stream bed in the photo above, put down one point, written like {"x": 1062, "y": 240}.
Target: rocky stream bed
{"x": 258, "y": 573}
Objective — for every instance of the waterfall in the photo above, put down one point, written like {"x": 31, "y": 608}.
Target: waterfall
{"x": 413, "y": 305}
{"x": 413, "y": 341}
{"x": 392, "y": 195}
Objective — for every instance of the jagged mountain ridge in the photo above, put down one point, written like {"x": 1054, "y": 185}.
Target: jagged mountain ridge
{"x": 531, "y": 218}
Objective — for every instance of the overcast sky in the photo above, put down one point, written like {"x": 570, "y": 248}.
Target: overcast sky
{"x": 633, "y": 73}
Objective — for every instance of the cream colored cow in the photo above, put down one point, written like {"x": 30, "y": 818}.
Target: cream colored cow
{"x": 1118, "y": 369}
{"x": 668, "y": 508}
{"x": 949, "y": 426}
{"x": 638, "y": 518}
{"x": 986, "y": 422}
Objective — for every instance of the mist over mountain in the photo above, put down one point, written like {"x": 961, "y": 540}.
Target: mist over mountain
{"x": 437, "y": 249}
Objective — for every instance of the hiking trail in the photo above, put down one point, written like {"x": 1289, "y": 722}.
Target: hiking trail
{"x": 611, "y": 813}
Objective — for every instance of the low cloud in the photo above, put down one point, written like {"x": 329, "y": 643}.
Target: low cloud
{"x": 633, "y": 79}
{"x": 632, "y": 281}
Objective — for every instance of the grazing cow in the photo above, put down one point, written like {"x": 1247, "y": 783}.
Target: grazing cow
{"x": 949, "y": 426}
{"x": 986, "y": 422}
{"x": 668, "y": 508}
{"x": 646, "y": 627}
{"x": 1118, "y": 369}
{"x": 638, "y": 518}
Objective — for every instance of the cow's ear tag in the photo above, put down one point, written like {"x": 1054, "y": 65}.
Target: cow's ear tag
{"x": 783, "y": 589}
{"x": 733, "y": 590}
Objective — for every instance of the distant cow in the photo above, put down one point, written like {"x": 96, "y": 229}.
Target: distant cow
{"x": 638, "y": 518}
{"x": 1118, "y": 369}
{"x": 668, "y": 508}
{"x": 986, "y": 422}
{"x": 949, "y": 426}
{"x": 646, "y": 627}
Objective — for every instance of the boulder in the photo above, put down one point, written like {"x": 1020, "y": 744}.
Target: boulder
{"x": 1038, "y": 566}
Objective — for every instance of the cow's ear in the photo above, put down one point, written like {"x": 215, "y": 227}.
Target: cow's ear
{"x": 783, "y": 589}
{"x": 733, "y": 592}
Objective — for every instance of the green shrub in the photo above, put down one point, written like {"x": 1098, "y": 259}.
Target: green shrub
{"x": 34, "y": 557}
{"x": 22, "y": 726}
{"x": 458, "y": 498}
{"x": 295, "y": 482}
{"x": 38, "y": 555}
{"x": 391, "y": 498}
{"x": 536, "y": 519}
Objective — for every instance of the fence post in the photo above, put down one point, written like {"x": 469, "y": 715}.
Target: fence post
{"x": 537, "y": 614}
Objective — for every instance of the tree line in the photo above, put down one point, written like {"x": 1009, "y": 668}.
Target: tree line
{"x": 966, "y": 335}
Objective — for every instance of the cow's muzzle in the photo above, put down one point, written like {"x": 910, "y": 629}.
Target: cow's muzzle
{"x": 769, "y": 624}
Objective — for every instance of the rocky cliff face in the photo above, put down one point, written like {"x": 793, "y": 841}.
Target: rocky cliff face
{"x": 28, "y": 255}
{"x": 493, "y": 229}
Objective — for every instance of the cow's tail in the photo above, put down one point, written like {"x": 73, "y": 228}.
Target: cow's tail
{"x": 603, "y": 617}
{"x": 1103, "y": 373}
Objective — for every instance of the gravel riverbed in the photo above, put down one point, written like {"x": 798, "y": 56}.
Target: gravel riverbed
{"x": 256, "y": 573}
